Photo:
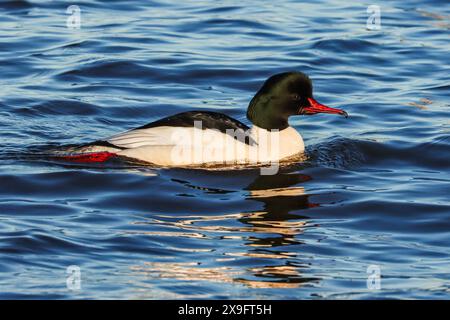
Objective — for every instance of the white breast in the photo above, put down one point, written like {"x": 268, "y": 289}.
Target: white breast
{"x": 276, "y": 145}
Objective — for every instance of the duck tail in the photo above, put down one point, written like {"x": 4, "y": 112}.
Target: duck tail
{"x": 98, "y": 151}
{"x": 88, "y": 157}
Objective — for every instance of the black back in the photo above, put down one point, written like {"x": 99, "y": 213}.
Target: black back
{"x": 209, "y": 120}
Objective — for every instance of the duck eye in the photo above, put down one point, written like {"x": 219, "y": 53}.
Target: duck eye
{"x": 297, "y": 97}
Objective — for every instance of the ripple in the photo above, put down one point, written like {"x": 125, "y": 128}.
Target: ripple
{"x": 107, "y": 69}
{"x": 59, "y": 107}
{"x": 14, "y": 5}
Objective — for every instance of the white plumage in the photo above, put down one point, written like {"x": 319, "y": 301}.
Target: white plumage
{"x": 178, "y": 146}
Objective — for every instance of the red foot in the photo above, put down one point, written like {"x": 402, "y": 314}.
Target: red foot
{"x": 89, "y": 157}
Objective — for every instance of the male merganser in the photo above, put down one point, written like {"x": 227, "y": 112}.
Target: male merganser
{"x": 206, "y": 137}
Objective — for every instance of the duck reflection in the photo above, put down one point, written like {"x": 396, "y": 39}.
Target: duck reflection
{"x": 266, "y": 234}
{"x": 280, "y": 198}
{"x": 283, "y": 218}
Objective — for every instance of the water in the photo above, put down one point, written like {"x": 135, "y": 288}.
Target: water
{"x": 374, "y": 190}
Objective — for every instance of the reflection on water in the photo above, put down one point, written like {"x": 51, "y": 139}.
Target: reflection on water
{"x": 282, "y": 276}
{"x": 266, "y": 235}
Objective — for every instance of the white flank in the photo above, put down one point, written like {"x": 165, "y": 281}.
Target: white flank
{"x": 181, "y": 146}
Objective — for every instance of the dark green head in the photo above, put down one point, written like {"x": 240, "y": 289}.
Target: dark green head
{"x": 284, "y": 95}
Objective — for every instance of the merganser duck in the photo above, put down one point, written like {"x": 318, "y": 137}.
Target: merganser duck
{"x": 206, "y": 137}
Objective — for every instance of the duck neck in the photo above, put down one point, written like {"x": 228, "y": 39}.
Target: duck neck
{"x": 255, "y": 130}
{"x": 270, "y": 123}
{"x": 263, "y": 114}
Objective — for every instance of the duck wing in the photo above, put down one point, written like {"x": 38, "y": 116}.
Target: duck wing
{"x": 161, "y": 132}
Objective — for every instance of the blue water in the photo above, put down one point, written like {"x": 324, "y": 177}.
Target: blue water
{"x": 374, "y": 190}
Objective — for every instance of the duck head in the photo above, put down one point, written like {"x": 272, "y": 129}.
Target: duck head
{"x": 284, "y": 95}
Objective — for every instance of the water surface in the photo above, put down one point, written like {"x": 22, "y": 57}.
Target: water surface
{"x": 374, "y": 190}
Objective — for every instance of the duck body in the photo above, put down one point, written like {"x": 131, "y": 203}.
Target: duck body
{"x": 206, "y": 137}
{"x": 201, "y": 137}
